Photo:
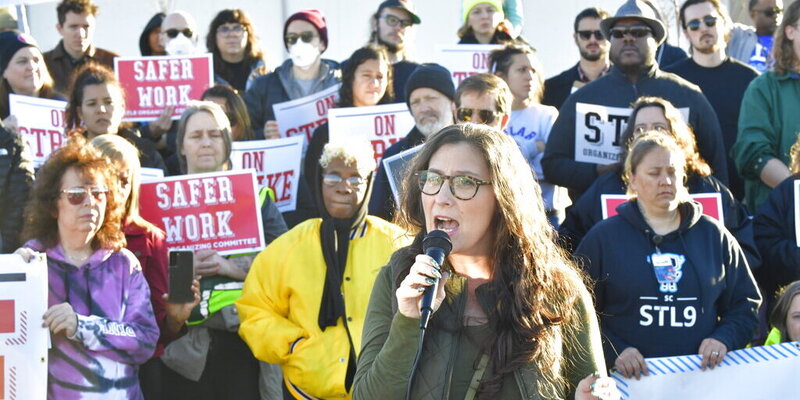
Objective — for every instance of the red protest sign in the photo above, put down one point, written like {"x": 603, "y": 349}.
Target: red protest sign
{"x": 711, "y": 202}
{"x": 6, "y": 317}
{"x": 217, "y": 211}
{"x": 153, "y": 83}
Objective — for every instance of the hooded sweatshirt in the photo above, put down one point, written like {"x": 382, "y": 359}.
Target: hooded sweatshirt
{"x": 664, "y": 294}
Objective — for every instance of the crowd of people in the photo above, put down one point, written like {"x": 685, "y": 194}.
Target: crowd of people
{"x": 546, "y": 287}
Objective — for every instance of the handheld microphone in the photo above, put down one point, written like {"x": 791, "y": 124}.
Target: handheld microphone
{"x": 436, "y": 245}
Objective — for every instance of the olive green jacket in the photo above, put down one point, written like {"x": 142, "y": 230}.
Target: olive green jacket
{"x": 390, "y": 342}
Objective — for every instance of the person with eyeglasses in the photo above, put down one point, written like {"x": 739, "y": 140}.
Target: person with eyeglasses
{"x": 392, "y": 26}
{"x": 753, "y": 45}
{"x": 99, "y": 316}
{"x": 593, "y": 62}
{"x": 768, "y": 121}
{"x": 635, "y": 33}
{"x": 484, "y": 99}
{"x": 722, "y": 79}
{"x": 76, "y": 25}
{"x": 657, "y": 114}
{"x": 305, "y": 298}
{"x": 238, "y": 58}
{"x": 484, "y": 23}
{"x": 305, "y": 37}
{"x": 510, "y": 310}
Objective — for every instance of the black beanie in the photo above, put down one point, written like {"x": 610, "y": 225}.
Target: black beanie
{"x": 10, "y": 42}
{"x": 432, "y": 76}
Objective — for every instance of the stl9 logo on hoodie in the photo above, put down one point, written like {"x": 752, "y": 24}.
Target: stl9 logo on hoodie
{"x": 668, "y": 268}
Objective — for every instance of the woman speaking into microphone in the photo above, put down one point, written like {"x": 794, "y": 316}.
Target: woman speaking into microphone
{"x": 512, "y": 318}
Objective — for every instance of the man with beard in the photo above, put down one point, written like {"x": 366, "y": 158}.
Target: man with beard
{"x": 429, "y": 94}
{"x": 593, "y": 48}
{"x": 390, "y": 27}
{"x": 753, "y": 46}
{"x": 722, "y": 79}
{"x": 584, "y": 140}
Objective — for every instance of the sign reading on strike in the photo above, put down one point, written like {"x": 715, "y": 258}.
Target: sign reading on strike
{"x": 153, "y": 83}
{"x": 41, "y": 124}
{"x": 464, "y": 60}
{"x": 216, "y": 211}
{"x": 277, "y": 166}
{"x": 598, "y": 132}
{"x": 301, "y": 116}
{"x": 711, "y": 202}
{"x": 381, "y": 126}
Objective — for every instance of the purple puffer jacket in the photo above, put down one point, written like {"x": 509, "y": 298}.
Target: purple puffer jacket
{"x": 116, "y": 327}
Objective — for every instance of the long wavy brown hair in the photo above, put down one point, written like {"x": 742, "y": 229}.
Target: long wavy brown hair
{"x": 536, "y": 284}
{"x": 783, "y": 56}
{"x": 41, "y": 217}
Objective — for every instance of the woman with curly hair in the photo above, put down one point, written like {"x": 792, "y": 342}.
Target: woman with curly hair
{"x": 99, "y": 317}
{"x": 511, "y": 312}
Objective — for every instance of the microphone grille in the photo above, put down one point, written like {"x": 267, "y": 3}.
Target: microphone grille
{"x": 437, "y": 238}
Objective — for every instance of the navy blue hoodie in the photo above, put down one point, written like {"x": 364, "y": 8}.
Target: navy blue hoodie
{"x": 776, "y": 238}
{"x": 705, "y": 290}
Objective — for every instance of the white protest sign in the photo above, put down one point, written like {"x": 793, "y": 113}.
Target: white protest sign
{"x": 301, "y": 116}
{"x": 765, "y": 372}
{"x": 23, "y": 340}
{"x": 381, "y": 126}
{"x": 396, "y": 168}
{"x": 598, "y": 132}
{"x": 277, "y": 165}
{"x": 150, "y": 174}
{"x": 464, "y": 60}
{"x": 797, "y": 212}
{"x": 41, "y": 124}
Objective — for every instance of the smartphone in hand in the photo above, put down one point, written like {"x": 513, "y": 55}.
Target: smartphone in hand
{"x": 181, "y": 274}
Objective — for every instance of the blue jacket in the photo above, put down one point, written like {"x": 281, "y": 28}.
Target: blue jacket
{"x": 776, "y": 238}
{"x": 615, "y": 90}
{"x": 705, "y": 291}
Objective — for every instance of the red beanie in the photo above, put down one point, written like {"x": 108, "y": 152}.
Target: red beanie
{"x": 313, "y": 17}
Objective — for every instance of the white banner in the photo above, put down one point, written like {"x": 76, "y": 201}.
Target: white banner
{"x": 301, "y": 116}
{"x": 396, "y": 168}
{"x": 277, "y": 165}
{"x": 757, "y": 373}
{"x": 23, "y": 340}
{"x": 598, "y": 131}
{"x": 464, "y": 60}
{"x": 41, "y": 124}
{"x": 381, "y": 126}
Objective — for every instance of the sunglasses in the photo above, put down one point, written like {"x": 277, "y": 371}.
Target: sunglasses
{"x": 635, "y": 31}
{"x": 334, "y": 180}
{"x": 708, "y": 20}
{"x": 586, "y": 35}
{"x": 173, "y": 33}
{"x": 468, "y": 115}
{"x": 236, "y": 29}
{"x": 392, "y": 21}
{"x": 771, "y": 12}
{"x": 463, "y": 187}
{"x": 306, "y": 37}
{"x": 76, "y": 196}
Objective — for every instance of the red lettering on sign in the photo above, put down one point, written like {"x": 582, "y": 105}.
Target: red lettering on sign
{"x": 307, "y": 129}
{"x": 7, "y": 314}
{"x": 384, "y": 125}
{"x": 479, "y": 61}
{"x": 281, "y": 184}
{"x": 324, "y": 104}
{"x": 461, "y": 75}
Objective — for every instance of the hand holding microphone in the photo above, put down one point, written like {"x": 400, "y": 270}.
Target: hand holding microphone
{"x": 422, "y": 291}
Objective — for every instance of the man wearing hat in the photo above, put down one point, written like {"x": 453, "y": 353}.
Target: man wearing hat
{"x": 429, "y": 94}
{"x": 584, "y": 140}
{"x": 305, "y": 36}
{"x": 389, "y": 27}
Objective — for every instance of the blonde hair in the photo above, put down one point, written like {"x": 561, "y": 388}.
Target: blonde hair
{"x": 644, "y": 145}
{"x": 357, "y": 153}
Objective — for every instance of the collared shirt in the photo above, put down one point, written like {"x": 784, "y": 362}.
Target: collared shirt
{"x": 586, "y": 79}
{"x": 61, "y": 65}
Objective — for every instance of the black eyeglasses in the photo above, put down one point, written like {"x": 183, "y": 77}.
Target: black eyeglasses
{"x": 586, "y": 35}
{"x": 306, "y": 37}
{"x": 334, "y": 179}
{"x": 463, "y": 187}
{"x": 468, "y": 115}
{"x": 173, "y": 33}
{"x": 770, "y": 12}
{"x": 392, "y": 21}
{"x": 635, "y": 31}
{"x": 235, "y": 29}
{"x": 77, "y": 195}
{"x": 708, "y": 20}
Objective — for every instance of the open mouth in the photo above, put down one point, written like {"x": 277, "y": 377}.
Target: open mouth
{"x": 445, "y": 224}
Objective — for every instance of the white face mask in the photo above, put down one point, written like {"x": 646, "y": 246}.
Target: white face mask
{"x": 303, "y": 54}
{"x": 180, "y": 45}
